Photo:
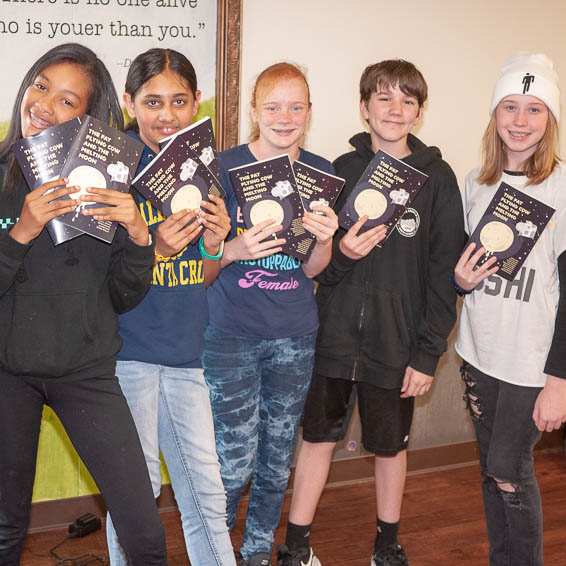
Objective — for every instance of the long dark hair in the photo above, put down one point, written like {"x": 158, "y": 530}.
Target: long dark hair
{"x": 153, "y": 62}
{"x": 102, "y": 104}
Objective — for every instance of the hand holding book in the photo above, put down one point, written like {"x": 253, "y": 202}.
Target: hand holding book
{"x": 215, "y": 219}
{"x": 355, "y": 245}
{"x": 466, "y": 273}
{"x": 118, "y": 207}
{"x": 41, "y": 206}
{"x": 176, "y": 232}
{"x": 255, "y": 243}
{"x": 322, "y": 223}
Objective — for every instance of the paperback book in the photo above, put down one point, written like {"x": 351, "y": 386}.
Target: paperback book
{"x": 316, "y": 186}
{"x": 383, "y": 192}
{"x": 509, "y": 228}
{"x": 200, "y": 139}
{"x": 177, "y": 179}
{"x": 266, "y": 190}
{"x": 102, "y": 157}
{"x": 41, "y": 158}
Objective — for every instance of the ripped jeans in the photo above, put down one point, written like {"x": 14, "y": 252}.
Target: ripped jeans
{"x": 506, "y": 435}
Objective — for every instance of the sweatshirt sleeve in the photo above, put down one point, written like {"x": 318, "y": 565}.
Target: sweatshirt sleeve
{"x": 447, "y": 238}
{"x": 12, "y": 255}
{"x": 556, "y": 360}
{"x": 130, "y": 272}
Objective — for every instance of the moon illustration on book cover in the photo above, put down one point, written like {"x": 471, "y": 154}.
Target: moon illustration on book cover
{"x": 85, "y": 176}
{"x": 370, "y": 202}
{"x": 187, "y": 197}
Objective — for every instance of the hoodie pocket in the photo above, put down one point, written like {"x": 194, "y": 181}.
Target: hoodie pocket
{"x": 49, "y": 334}
{"x": 338, "y": 311}
{"x": 385, "y": 338}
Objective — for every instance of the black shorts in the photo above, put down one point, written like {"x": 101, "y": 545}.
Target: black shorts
{"x": 385, "y": 416}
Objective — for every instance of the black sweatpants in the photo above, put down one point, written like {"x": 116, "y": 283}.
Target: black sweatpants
{"x": 96, "y": 417}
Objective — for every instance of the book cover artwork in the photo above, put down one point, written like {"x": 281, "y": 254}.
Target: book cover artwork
{"x": 177, "y": 179}
{"x": 509, "y": 228}
{"x": 102, "y": 157}
{"x": 266, "y": 190}
{"x": 383, "y": 192}
{"x": 316, "y": 186}
{"x": 200, "y": 139}
{"x": 41, "y": 158}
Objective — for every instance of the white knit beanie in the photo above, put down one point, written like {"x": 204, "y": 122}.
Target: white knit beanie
{"x": 528, "y": 73}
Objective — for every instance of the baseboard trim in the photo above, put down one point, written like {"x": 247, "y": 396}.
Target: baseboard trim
{"x": 56, "y": 514}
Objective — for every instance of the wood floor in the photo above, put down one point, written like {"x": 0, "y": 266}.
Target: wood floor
{"x": 442, "y": 522}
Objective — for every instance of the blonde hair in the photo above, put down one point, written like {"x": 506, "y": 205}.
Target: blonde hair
{"x": 267, "y": 78}
{"x": 538, "y": 167}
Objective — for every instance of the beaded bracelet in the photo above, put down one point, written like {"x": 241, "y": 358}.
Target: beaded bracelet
{"x": 459, "y": 290}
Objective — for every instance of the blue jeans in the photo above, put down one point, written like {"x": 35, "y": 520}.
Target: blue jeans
{"x": 506, "y": 434}
{"x": 171, "y": 409}
{"x": 257, "y": 390}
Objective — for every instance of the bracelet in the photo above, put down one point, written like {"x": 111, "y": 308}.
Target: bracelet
{"x": 459, "y": 290}
{"x": 159, "y": 258}
{"x": 149, "y": 240}
{"x": 203, "y": 252}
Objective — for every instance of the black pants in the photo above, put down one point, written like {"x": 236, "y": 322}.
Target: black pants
{"x": 506, "y": 434}
{"x": 99, "y": 424}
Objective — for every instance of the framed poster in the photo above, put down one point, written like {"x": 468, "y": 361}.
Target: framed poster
{"x": 206, "y": 31}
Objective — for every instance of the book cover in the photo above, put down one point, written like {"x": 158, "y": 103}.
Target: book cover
{"x": 267, "y": 190}
{"x": 383, "y": 192}
{"x": 104, "y": 157}
{"x": 200, "y": 138}
{"x": 509, "y": 228}
{"x": 177, "y": 179}
{"x": 41, "y": 158}
{"x": 316, "y": 186}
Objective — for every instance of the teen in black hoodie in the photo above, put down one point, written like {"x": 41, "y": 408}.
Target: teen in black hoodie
{"x": 385, "y": 314}
{"x": 396, "y": 306}
{"x": 58, "y": 324}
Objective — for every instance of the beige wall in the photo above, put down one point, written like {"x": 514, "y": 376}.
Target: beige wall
{"x": 459, "y": 46}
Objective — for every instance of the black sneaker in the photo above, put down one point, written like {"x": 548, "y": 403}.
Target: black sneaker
{"x": 300, "y": 557}
{"x": 392, "y": 555}
{"x": 259, "y": 559}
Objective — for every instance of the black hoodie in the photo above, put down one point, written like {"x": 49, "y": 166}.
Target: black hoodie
{"x": 58, "y": 304}
{"x": 395, "y": 307}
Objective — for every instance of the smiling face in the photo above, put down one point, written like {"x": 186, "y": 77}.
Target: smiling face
{"x": 59, "y": 93}
{"x": 521, "y": 122}
{"x": 282, "y": 112}
{"x": 391, "y": 115}
{"x": 162, "y": 106}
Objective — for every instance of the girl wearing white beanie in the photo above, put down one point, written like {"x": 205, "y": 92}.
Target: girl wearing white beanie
{"x": 512, "y": 334}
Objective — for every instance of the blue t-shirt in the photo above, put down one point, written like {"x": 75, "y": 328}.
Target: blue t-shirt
{"x": 267, "y": 298}
{"x": 167, "y": 327}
